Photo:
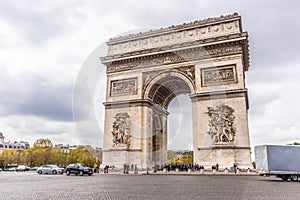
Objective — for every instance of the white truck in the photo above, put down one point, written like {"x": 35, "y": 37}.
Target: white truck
{"x": 282, "y": 161}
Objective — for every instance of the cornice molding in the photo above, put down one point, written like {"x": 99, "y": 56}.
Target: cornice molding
{"x": 133, "y": 103}
{"x": 221, "y": 95}
{"x": 183, "y": 56}
{"x": 174, "y": 47}
{"x": 223, "y": 147}
{"x": 197, "y": 23}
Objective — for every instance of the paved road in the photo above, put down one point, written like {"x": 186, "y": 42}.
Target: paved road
{"x": 29, "y": 185}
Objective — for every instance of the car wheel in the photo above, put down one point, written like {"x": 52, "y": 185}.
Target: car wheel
{"x": 294, "y": 177}
{"x": 67, "y": 172}
{"x": 54, "y": 172}
{"x": 40, "y": 171}
{"x": 81, "y": 173}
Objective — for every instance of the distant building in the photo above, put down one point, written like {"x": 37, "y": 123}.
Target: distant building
{"x": 12, "y": 145}
{"x": 1, "y": 138}
{"x": 67, "y": 148}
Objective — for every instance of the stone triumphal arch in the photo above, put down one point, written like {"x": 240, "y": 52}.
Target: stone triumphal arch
{"x": 205, "y": 59}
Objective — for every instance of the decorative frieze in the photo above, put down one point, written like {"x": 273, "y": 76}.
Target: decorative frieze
{"x": 218, "y": 75}
{"x": 220, "y": 124}
{"x": 197, "y": 30}
{"x": 176, "y": 57}
{"x": 123, "y": 87}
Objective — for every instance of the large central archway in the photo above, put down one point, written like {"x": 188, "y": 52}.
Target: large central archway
{"x": 161, "y": 90}
{"x": 205, "y": 59}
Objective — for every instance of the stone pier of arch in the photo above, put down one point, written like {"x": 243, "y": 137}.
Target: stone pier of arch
{"x": 205, "y": 59}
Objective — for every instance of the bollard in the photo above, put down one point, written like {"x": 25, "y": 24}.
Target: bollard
{"x": 248, "y": 171}
{"x": 201, "y": 171}
{"x": 164, "y": 170}
{"x": 189, "y": 171}
{"x": 177, "y": 170}
{"x": 214, "y": 171}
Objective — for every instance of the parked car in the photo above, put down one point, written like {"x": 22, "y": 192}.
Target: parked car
{"x": 22, "y": 168}
{"x": 50, "y": 169}
{"x": 78, "y": 169}
{"x": 33, "y": 168}
{"x": 10, "y": 169}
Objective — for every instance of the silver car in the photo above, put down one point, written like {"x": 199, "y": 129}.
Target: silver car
{"x": 50, "y": 169}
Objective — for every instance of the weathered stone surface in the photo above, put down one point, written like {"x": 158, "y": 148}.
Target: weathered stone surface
{"x": 206, "y": 59}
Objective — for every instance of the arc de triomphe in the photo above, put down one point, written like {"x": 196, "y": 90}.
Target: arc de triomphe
{"x": 205, "y": 59}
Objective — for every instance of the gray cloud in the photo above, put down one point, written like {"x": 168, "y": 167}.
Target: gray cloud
{"x": 36, "y": 95}
{"x": 39, "y": 21}
{"x": 272, "y": 79}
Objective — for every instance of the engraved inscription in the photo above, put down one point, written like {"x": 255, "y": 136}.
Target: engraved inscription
{"x": 219, "y": 75}
{"x": 123, "y": 87}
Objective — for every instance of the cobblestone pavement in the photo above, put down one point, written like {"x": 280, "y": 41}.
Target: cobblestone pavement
{"x": 30, "y": 185}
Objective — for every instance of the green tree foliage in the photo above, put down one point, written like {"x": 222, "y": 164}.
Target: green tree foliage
{"x": 186, "y": 159}
{"x": 296, "y": 143}
{"x": 9, "y": 157}
{"x": 82, "y": 155}
{"x": 172, "y": 158}
{"x": 43, "y": 153}
{"x": 254, "y": 165}
{"x": 59, "y": 157}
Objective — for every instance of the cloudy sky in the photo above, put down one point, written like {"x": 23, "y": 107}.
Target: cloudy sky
{"x": 46, "y": 46}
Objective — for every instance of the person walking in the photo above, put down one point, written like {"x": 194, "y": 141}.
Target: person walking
{"x": 234, "y": 167}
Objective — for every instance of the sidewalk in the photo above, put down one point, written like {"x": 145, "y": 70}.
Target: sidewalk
{"x": 192, "y": 173}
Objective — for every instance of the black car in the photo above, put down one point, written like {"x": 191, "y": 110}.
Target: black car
{"x": 78, "y": 169}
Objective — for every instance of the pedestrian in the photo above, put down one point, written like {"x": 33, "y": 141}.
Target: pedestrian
{"x": 135, "y": 169}
{"x": 217, "y": 167}
{"x": 124, "y": 168}
{"x": 234, "y": 167}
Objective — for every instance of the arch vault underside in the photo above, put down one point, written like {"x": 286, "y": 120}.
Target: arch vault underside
{"x": 206, "y": 59}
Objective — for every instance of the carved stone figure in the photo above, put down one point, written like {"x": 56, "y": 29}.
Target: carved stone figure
{"x": 121, "y": 130}
{"x": 123, "y": 87}
{"x": 189, "y": 71}
{"x": 220, "y": 125}
{"x": 220, "y": 75}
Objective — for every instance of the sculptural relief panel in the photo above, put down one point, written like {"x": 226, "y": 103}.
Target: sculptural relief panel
{"x": 218, "y": 75}
{"x": 220, "y": 124}
{"x": 121, "y": 130}
{"x": 123, "y": 87}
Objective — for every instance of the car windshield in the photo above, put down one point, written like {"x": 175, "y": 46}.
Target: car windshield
{"x": 83, "y": 165}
